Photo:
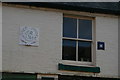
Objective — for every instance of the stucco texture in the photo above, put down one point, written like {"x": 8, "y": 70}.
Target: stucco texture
{"x": 43, "y": 58}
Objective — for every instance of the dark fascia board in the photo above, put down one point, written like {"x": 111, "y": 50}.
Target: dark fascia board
{"x": 8, "y": 75}
{"x": 92, "y": 7}
{"x": 47, "y": 78}
{"x": 72, "y": 77}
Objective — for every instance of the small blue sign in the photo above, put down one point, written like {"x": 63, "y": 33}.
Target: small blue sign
{"x": 100, "y": 45}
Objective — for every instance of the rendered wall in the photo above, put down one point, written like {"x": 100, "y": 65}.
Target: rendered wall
{"x": 62, "y": 1}
{"x": 43, "y": 58}
{"x": 0, "y": 39}
{"x": 119, "y": 45}
{"x": 107, "y": 31}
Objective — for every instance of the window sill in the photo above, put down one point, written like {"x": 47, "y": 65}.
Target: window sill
{"x": 78, "y": 68}
{"x": 77, "y": 63}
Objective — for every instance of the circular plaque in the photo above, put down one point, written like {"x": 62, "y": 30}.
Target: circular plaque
{"x": 29, "y": 35}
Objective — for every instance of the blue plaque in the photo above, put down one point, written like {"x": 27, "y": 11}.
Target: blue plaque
{"x": 100, "y": 45}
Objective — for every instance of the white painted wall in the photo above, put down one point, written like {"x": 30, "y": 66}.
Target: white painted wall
{"x": 0, "y": 40}
{"x": 107, "y": 31}
{"x": 119, "y": 45}
{"x": 60, "y": 0}
{"x": 44, "y": 58}
{"x": 0, "y": 36}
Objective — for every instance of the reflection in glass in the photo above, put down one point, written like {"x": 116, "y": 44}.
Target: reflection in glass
{"x": 85, "y": 29}
{"x": 69, "y": 27}
{"x": 69, "y": 50}
{"x": 84, "y": 51}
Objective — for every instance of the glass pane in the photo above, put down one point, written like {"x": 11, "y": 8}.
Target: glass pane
{"x": 85, "y": 29}
{"x": 69, "y": 50}
{"x": 69, "y": 27}
{"x": 84, "y": 51}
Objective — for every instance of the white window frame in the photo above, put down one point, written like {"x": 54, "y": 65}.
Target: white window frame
{"x": 93, "y": 43}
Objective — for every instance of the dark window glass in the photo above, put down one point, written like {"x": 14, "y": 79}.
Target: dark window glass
{"x": 69, "y": 27}
{"x": 84, "y": 51}
{"x": 69, "y": 50}
{"x": 85, "y": 29}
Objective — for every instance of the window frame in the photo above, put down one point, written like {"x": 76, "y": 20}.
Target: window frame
{"x": 93, "y": 43}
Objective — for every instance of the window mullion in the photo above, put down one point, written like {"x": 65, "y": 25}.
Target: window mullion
{"x": 93, "y": 43}
{"x": 76, "y": 50}
{"x": 77, "y": 40}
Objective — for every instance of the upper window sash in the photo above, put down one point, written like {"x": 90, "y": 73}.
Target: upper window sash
{"x": 77, "y": 28}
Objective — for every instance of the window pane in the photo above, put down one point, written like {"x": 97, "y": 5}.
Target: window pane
{"x": 69, "y": 50}
{"x": 69, "y": 27}
{"x": 84, "y": 51}
{"x": 85, "y": 29}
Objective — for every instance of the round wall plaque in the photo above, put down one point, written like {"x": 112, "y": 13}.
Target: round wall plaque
{"x": 29, "y": 36}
